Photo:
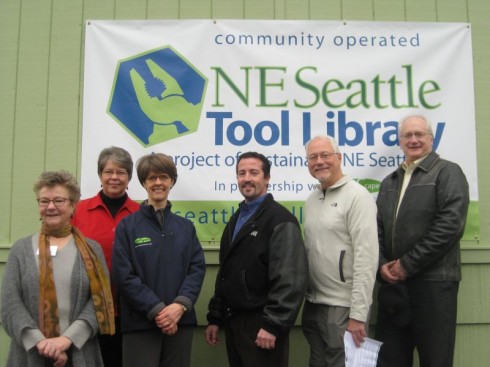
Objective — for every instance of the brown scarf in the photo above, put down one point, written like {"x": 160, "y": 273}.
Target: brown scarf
{"x": 99, "y": 284}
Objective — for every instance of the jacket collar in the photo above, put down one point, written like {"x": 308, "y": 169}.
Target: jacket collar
{"x": 250, "y": 223}
{"x": 265, "y": 200}
{"x": 97, "y": 201}
{"x": 429, "y": 162}
{"x": 426, "y": 165}
{"x": 149, "y": 210}
{"x": 343, "y": 180}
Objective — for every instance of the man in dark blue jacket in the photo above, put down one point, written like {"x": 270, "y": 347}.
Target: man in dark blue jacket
{"x": 422, "y": 209}
{"x": 262, "y": 277}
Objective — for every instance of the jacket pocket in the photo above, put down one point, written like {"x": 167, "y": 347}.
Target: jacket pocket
{"x": 247, "y": 292}
{"x": 341, "y": 265}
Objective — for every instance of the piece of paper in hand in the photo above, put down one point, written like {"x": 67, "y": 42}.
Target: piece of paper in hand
{"x": 364, "y": 356}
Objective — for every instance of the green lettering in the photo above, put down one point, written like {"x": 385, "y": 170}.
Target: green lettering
{"x": 263, "y": 72}
{"x": 307, "y": 86}
{"x": 243, "y": 96}
{"x": 432, "y": 87}
{"x": 326, "y": 90}
{"x": 361, "y": 94}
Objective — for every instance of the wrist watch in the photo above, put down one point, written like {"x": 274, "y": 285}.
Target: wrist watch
{"x": 184, "y": 308}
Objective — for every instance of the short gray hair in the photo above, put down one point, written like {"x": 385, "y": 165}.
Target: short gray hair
{"x": 119, "y": 156}
{"x": 421, "y": 117}
{"x": 327, "y": 138}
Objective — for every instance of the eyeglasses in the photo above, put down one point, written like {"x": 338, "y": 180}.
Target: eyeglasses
{"x": 58, "y": 202}
{"x": 154, "y": 178}
{"x": 418, "y": 135}
{"x": 111, "y": 173}
{"x": 322, "y": 156}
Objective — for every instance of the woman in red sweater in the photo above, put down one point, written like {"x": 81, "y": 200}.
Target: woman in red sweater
{"x": 97, "y": 218}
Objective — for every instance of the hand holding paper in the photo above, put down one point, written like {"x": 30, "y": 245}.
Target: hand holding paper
{"x": 365, "y": 356}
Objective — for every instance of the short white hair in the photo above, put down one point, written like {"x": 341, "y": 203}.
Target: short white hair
{"x": 327, "y": 138}
{"x": 421, "y": 117}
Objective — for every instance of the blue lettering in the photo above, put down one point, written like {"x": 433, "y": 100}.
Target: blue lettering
{"x": 274, "y": 133}
{"x": 219, "y": 36}
{"x": 390, "y": 138}
{"x": 306, "y": 127}
{"x": 247, "y": 133}
{"x": 259, "y": 132}
{"x": 219, "y": 117}
{"x": 347, "y": 132}
{"x": 438, "y": 134}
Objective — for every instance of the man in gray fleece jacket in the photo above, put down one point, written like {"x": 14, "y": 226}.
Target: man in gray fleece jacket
{"x": 342, "y": 245}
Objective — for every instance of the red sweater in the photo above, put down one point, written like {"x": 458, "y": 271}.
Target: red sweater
{"x": 95, "y": 221}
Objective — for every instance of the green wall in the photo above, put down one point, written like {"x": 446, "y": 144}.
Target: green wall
{"x": 41, "y": 76}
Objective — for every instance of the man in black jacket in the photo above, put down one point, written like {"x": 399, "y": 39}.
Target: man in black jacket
{"x": 422, "y": 209}
{"x": 262, "y": 277}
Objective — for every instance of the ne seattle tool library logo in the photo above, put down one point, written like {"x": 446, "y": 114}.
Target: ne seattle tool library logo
{"x": 157, "y": 96}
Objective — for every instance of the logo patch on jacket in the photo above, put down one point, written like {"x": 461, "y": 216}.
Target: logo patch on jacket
{"x": 142, "y": 241}
{"x": 254, "y": 233}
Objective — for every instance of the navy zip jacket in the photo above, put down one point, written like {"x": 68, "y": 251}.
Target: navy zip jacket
{"x": 155, "y": 265}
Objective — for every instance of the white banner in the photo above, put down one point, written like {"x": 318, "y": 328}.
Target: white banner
{"x": 204, "y": 91}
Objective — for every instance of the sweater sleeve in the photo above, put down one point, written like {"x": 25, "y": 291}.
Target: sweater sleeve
{"x": 191, "y": 286}
{"x": 15, "y": 302}
{"x": 362, "y": 228}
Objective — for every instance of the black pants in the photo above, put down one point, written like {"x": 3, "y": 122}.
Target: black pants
{"x": 241, "y": 333}
{"x": 432, "y": 327}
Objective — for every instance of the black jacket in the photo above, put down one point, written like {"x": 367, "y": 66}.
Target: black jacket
{"x": 264, "y": 268}
{"x": 430, "y": 223}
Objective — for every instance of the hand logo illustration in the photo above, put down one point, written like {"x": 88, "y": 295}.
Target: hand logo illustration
{"x": 158, "y": 96}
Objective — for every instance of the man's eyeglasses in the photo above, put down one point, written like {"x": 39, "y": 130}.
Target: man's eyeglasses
{"x": 322, "y": 156}
{"x": 58, "y": 202}
{"x": 418, "y": 135}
